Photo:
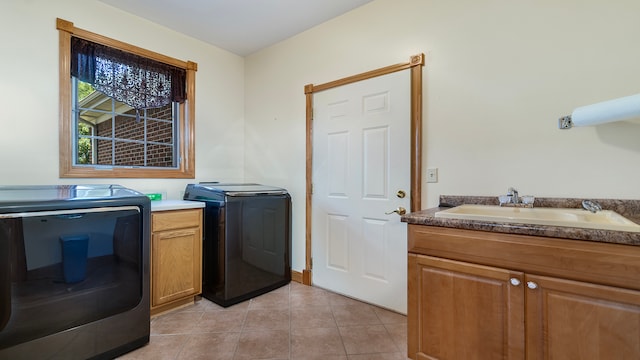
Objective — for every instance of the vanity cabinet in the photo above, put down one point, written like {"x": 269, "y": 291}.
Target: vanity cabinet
{"x": 176, "y": 258}
{"x": 483, "y": 295}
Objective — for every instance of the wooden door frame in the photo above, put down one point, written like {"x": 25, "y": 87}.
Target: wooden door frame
{"x": 416, "y": 62}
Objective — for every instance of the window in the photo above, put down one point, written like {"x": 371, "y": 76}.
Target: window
{"x": 120, "y": 132}
{"x": 111, "y": 133}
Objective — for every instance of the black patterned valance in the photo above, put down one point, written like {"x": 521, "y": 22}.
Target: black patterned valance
{"x": 137, "y": 81}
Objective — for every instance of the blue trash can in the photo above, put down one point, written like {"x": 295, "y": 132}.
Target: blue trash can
{"x": 74, "y": 257}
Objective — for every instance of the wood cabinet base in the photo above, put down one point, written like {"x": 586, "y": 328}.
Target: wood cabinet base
{"x": 177, "y": 304}
{"x": 482, "y": 295}
{"x": 176, "y": 258}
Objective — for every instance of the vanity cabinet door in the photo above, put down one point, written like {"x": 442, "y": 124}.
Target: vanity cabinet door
{"x": 577, "y": 320}
{"x": 460, "y": 310}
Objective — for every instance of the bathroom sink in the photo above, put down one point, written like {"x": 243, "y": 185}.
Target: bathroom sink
{"x": 604, "y": 219}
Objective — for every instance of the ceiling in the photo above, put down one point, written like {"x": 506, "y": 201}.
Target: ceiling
{"x": 239, "y": 26}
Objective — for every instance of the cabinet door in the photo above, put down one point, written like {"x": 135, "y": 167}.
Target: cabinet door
{"x": 459, "y": 310}
{"x": 176, "y": 264}
{"x": 576, "y": 320}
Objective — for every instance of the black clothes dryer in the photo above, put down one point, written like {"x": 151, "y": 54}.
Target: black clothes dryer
{"x": 247, "y": 240}
{"x": 74, "y": 271}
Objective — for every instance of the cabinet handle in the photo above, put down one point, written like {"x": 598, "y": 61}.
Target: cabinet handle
{"x": 514, "y": 281}
{"x": 531, "y": 285}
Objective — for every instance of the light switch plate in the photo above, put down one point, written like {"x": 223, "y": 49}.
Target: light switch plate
{"x": 432, "y": 175}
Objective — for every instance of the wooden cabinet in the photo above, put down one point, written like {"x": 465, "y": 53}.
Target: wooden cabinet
{"x": 480, "y": 295}
{"x": 176, "y": 258}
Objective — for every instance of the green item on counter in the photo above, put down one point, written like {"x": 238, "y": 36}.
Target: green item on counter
{"x": 154, "y": 197}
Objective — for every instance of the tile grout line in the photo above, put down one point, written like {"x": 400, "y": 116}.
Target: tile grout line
{"x": 189, "y": 335}
{"x": 384, "y": 326}
{"x": 290, "y": 329}
{"x": 344, "y": 348}
{"x": 244, "y": 321}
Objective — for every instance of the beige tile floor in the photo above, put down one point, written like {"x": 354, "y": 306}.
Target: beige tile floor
{"x": 294, "y": 322}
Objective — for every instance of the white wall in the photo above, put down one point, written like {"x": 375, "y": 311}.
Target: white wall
{"x": 29, "y": 92}
{"x": 498, "y": 75}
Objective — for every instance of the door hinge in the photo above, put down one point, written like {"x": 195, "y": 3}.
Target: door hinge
{"x": 310, "y": 263}
{"x": 311, "y": 189}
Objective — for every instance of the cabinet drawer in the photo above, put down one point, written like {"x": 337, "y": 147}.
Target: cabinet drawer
{"x": 178, "y": 219}
{"x": 595, "y": 262}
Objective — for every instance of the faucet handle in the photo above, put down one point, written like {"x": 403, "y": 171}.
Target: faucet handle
{"x": 528, "y": 199}
{"x": 511, "y": 191}
{"x": 591, "y": 206}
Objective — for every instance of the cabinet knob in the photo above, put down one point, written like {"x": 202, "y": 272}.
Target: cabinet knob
{"x": 514, "y": 281}
{"x": 532, "y": 285}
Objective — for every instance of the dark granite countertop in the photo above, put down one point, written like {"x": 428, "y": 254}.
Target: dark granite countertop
{"x": 627, "y": 208}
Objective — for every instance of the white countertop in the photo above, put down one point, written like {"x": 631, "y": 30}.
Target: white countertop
{"x": 164, "y": 205}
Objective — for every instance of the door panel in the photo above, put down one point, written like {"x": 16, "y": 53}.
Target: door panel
{"x": 338, "y": 243}
{"x": 337, "y": 167}
{"x": 376, "y": 163}
{"x": 361, "y": 137}
{"x": 375, "y": 262}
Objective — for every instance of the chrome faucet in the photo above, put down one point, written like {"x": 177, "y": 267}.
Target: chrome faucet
{"x": 513, "y": 194}
{"x": 512, "y": 198}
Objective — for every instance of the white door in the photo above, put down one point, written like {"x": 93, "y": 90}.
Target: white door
{"x": 361, "y": 161}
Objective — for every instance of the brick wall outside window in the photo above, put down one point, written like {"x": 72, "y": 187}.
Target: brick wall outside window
{"x": 132, "y": 154}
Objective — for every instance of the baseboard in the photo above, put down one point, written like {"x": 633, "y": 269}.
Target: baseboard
{"x": 303, "y": 277}
{"x": 296, "y": 276}
{"x": 306, "y": 277}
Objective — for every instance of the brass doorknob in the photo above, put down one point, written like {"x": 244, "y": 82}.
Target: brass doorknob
{"x": 400, "y": 211}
